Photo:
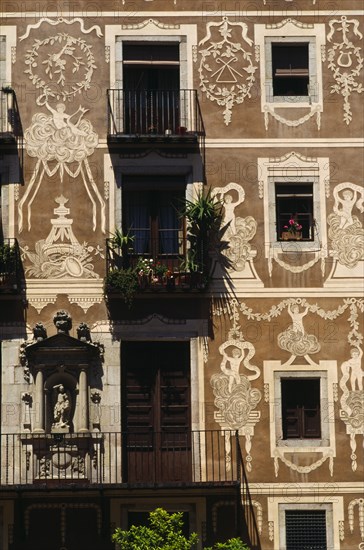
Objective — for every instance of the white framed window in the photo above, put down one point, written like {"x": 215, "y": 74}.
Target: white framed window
{"x": 290, "y": 63}
{"x": 302, "y": 412}
{"x": 290, "y": 70}
{"x": 286, "y": 436}
{"x": 295, "y": 186}
{"x": 306, "y": 526}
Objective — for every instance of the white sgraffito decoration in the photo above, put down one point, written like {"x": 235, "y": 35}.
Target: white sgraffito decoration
{"x": 226, "y": 68}
{"x": 60, "y": 67}
{"x": 301, "y": 345}
{"x": 235, "y": 398}
{"x": 295, "y": 339}
{"x": 345, "y": 229}
{"x": 357, "y": 502}
{"x": 345, "y": 60}
{"x": 237, "y": 231}
{"x": 61, "y": 255}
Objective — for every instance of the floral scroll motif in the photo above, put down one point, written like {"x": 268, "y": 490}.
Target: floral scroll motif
{"x": 226, "y": 68}
{"x": 345, "y": 60}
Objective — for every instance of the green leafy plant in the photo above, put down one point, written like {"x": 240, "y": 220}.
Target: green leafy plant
{"x": 231, "y": 544}
{"x": 123, "y": 281}
{"x": 163, "y": 533}
{"x": 122, "y": 240}
{"x": 204, "y": 217}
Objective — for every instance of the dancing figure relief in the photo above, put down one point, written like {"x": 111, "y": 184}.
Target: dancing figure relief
{"x": 295, "y": 339}
{"x": 345, "y": 228}
{"x": 237, "y": 231}
{"x": 235, "y": 398}
{"x": 352, "y": 398}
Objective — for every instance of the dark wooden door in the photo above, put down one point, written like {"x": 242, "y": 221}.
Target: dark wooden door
{"x": 156, "y": 415}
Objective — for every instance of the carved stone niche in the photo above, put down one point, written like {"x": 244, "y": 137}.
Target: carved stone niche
{"x": 62, "y": 367}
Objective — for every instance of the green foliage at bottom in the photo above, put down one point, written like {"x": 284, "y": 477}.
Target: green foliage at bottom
{"x": 164, "y": 533}
{"x": 231, "y": 544}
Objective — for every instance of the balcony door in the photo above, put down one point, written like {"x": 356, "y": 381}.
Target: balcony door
{"x": 151, "y": 82}
{"x": 150, "y": 216}
{"x": 156, "y": 411}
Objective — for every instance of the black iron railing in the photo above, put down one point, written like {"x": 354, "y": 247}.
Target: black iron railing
{"x": 10, "y": 266}
{"x": 10, "y": 126}
{"x": 162, "y": 263}
{"x": 169, "y": 113}
{"x": 138, "y": 457}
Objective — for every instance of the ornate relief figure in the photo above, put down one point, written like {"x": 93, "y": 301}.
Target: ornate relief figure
{"x": 345, "y": 60}
{"x": 345, "y": 229}
{"x": 237, "y": 231}
{"x": 352, "y": 399}
{"x": 60, "y": 141}
{"x": 235, "y": 398}
{"x": 295, "y": 339}
{"x": 226, "y": 68}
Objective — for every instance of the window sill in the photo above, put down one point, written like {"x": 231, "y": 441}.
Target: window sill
{"x": 291, "y": 101}
{"x": 303, "y": 445}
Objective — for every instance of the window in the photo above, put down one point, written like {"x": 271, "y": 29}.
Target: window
{"x": 300, "y": 408}
{"x": 290, "y": 67}
{"x": 151, "y": 82}
{"x": 305, "y": 530}
{"x": 150, "y": 215}
{"x": 294, "y": 201}
{"x": 290, "y": 70}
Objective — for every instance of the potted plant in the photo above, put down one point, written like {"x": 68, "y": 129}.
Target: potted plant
{"x": 292, "y": 231}
{"x": 124, "y": 282}
{"x": 203, "y": 216}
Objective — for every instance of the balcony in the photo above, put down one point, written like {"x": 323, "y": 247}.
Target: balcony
{"x": 155, "y": 119}
{"x": 10, "y": 267}
{"x": 140, "y": 458}
{"x": 163, "y": 269}
{"x": 10, "y": 126}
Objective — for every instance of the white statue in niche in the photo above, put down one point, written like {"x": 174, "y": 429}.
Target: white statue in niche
{"x": 345, "y": 229}
{"x": 62, "y": 407}
{"x": 236, "y": 231}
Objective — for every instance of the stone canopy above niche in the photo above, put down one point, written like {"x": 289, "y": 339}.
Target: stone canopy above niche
{"x": 62, "y": 369}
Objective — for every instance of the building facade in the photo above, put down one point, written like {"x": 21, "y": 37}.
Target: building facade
{"x": 147, "y": 357}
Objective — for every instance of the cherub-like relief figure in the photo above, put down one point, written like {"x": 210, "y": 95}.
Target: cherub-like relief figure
{"x": 62, "y": 407}
{"x": 234, "y": 361}
{"x": 295, "y": 338}
{"x": 237, "y": 232}
{"x": 297, "y": 318}
{"x": 352, "y": 368}
{"x": 229, "y": 204}
{"x": 345, "y": 228}
{"x": 62, "y": 120}
{"x": 344, "y": 206}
